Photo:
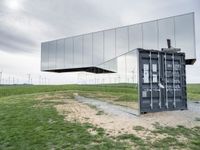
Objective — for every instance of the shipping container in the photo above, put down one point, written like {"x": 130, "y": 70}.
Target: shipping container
{"x": 162, "y": 81}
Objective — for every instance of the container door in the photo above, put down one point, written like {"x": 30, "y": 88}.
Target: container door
{"x": 150, "y": 86}
{"x": 162, "y": 81}
{"x": 174, "y": 81}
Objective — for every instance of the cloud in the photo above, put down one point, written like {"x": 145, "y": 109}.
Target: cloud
{"x": 37, "y": 21}
{"x": 14, "y": 42}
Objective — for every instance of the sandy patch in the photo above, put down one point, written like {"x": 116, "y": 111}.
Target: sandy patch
{"x": 56, "y": 96}
{"x": 115, "y": 125}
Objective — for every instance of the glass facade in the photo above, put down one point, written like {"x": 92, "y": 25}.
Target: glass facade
{"x": 93, "y": 49}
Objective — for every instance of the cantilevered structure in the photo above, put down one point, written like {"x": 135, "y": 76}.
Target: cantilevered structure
{"x": 85, "y": 52}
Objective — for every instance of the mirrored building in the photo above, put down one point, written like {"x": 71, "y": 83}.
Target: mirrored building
{"x": 79, "y": 53}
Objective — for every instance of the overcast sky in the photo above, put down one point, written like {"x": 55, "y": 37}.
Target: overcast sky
{"x": 24, "y": 24}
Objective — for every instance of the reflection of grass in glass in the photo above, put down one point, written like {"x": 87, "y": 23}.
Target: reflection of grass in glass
{"x": 193, "y": 92}
{"x": 128, "y": 98}
{"x": 197, "y": 119}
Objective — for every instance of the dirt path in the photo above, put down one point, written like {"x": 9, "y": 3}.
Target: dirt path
{"x": 109, "y": 108}
{"x": 119, "y": 120}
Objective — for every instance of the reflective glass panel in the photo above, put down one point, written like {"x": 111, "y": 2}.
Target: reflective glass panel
{"x": 150, "y": 35}
{"x": 98, "y": 48}
{"x": 135, "y": 36}
{"x": 78, "y": 51}
{"x": 69, "y": 53}
{"x": 43, "y": 56}
{"x": 166, "y": 31}
{"x": 87, "y": 50}
{"x": 109, "y": 45}
{"x": 184, "y": 34}
{"x": 46, "y": 56}
{"x": 52, "y": 55}
{"x": 121, "y": 40}
{"x": 60, "y": 57}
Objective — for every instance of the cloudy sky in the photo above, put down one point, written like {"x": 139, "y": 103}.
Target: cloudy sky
{"x": 24, "y": 24}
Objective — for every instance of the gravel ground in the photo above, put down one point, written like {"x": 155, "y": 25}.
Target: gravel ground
{"x": 108, "y": 107}
{"x": 187, "y": 118}
{"x": 125, "y": 111}
{"x": 120, "y": 120}
{"x": 194, "y": 106}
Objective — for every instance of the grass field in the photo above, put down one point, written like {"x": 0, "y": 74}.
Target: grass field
{"x": 125, "y": 92}
{"x": 29, "y": 123}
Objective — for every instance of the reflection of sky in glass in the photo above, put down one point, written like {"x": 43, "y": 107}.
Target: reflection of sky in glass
{"x": 87, "y": 50}
{"x": 78, "y": 51}
{"x": 121, "y": 40}
{"x": 52, "y": 54}
{"x": 109, "y": 45}
{"x": 135, "y": 36}
{"x": 150, "y": 35}
{"x": 98, "y": 47}
{"x": 60, "y": 61}
{"x": 184, "y": 34}
{"x": 166, "y": 31}
{"x": 69, "y": 53}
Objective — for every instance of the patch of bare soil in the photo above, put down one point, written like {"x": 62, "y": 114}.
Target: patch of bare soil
{"x": 115, "y": 125}
{"x": 75, "y": 111}
{"x": 55, "y": 96}
{"x": 133, "y": 105}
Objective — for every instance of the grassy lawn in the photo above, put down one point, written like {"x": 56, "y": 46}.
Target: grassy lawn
{"x": 24, "y": 125}
{"x": 123, "y": 92}
{"x": 29, "y": 123}
{"x": 28, "y": 89}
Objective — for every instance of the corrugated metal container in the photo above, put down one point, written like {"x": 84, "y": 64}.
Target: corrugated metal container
{"x": 162, "y": 81}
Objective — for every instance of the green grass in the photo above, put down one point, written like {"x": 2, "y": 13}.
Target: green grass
{"x": 168, "y": 142}
{"x": 25, "y": 126}
{"x": 126, "y": 92}
{"x": 197, "y": 119}
{"x": 138, "y": 128}
{"x": 100, "y": 112}
{"x": 28, "y": 89}
{"x": 178, "y": 137}
{"x": 128, "y": 97}
{"x": 191, "y": 134}
{"x": 132, "y": 138}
